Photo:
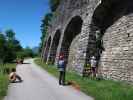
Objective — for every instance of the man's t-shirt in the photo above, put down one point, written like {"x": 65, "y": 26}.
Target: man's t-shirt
{"x": 93, "y": 63}
{"x": 61, "y": 65}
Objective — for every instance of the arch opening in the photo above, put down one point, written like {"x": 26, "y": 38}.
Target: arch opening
{"x": 54, "y": 46}
{"x": 71, "y": 31}
{"x": 105, "y": 15}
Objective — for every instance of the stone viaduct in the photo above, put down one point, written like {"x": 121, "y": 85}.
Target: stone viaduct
{"x": 103, "y": 28}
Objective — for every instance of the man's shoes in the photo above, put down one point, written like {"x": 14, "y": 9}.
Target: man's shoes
{"x": 20, "y": 80}
{"x": 60, "y": 83}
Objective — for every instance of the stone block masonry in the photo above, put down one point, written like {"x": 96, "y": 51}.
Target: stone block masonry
{"x": 73, "y": 32}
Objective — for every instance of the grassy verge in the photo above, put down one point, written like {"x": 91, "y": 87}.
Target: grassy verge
{"x": 51, "y": 69}
{"x": 4, "y": 79}
{"x": 6, "y": 68}
{"x": 100, "y": 90}
{"x": 3, "y": 85}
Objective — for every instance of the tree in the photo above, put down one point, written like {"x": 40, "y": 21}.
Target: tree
{"x": 17, "y": 46}
{"x": 2, "y": 47}
{"x": 45, "y": 23}
{"x": 28, "y": 52}
{"x": 10, "y": 34}
{"x": 54, "y": 4}
{"x": 47, "y": 19}
{"x": 10, "y": 48}
{"x": 13, "y": 46}
{"x": 44, "y": 27}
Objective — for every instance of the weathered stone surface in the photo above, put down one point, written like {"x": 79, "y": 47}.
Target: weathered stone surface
{"x": 116, "y": 61}
{"x": 66, "y": 11}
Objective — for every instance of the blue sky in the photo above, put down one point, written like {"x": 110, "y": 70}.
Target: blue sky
{"x": 24, "y": 17}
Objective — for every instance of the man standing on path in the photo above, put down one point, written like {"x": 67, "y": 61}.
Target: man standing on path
{"x": 61, "y": 67}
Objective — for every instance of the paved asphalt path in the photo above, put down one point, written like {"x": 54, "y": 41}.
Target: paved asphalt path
{"x": 40, "y": 85}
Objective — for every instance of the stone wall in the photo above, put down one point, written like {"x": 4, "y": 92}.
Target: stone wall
{"x": 117, "y": 59}
{"x": 67, "y": 10}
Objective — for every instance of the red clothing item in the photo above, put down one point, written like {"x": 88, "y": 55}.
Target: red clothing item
{"x": 61, "y": 56}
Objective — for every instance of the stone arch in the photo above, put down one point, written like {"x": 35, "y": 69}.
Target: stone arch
{"x": 42, "y": 52}
{"x": 108, "y": 21}
{"x": 105, "y": 15}
{"x": 54, "y": 46}
{"x": 72, "y": 30}
{"x": 47, "y": 48}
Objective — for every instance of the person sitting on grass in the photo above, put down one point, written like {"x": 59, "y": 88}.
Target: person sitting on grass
{"x": 13, "y": 76}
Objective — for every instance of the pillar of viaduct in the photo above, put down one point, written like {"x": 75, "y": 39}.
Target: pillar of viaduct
{"x": 101, "y": 28}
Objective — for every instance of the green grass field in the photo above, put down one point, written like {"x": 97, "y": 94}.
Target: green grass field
{"x": 3, "y": 85}
{"x": 4, "y": 79}
{"x": 5, "y": 67}
{"x": 100, "y": 90}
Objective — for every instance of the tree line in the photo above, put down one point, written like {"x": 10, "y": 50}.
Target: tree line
{"x": 47, "y": 19}
{"x": 11, "y": 49}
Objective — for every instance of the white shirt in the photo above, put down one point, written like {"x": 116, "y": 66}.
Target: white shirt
{"x": 93, "y": 63}
{"x": 61, "y": 65}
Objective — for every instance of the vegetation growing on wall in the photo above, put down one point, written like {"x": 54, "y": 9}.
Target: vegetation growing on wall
{"x": 44, "y": 27}
{"x": 54, "y": 4}
{"x": 47, "y": 19}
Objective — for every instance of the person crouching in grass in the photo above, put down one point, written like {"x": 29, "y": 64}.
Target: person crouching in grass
{"x": 13, "y": 77}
